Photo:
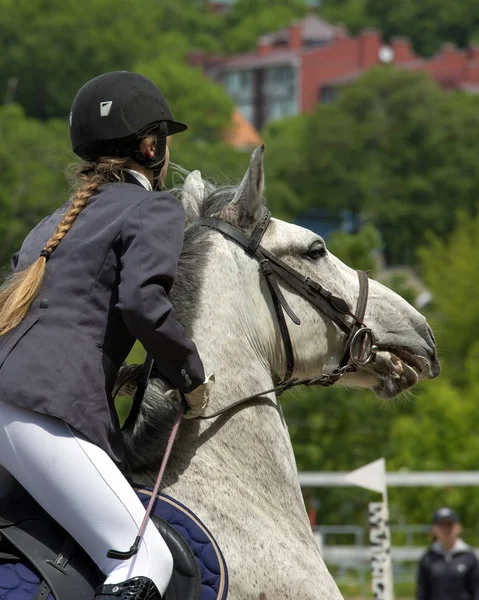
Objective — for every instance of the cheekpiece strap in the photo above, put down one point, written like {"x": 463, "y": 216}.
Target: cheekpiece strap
{"x": 258, "y": 233}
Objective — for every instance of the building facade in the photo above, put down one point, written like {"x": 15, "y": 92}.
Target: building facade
{"x": 294, "y": 69}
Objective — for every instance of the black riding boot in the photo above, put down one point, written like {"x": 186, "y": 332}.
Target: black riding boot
{"x": 138, "y": 588}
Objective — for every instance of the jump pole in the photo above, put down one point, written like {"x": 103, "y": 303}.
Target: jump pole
{"x": 373, "y": 477}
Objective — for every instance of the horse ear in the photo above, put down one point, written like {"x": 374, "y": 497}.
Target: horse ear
{"x": 249, "y": 197}
{"x": 192, "y": 196}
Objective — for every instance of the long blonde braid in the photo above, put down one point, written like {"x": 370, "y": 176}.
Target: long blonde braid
{"x": 21, "y": 288}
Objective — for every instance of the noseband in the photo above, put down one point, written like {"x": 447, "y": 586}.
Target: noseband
{"x": 359, "y": 348}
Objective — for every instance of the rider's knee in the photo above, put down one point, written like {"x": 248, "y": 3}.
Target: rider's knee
{"x": 159, "y": 553}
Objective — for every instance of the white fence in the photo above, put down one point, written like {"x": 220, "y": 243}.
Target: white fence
{"x": 396, "y": 479}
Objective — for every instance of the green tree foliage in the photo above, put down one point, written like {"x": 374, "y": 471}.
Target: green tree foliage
{"x": 393, "y": 147}
{"x": 433, "y": 428}
{"x": 55, "y": 46}
{"x": 219, "y": 163}
{"x": 284, "y": 164}
{"x": 358, "y": 250}
{"x": 33, "y": 159}
{"x": 352, "y": 13}
{"x": 196, "y": 99}
{"x": 451, "y": 268}
{"x": 438, "y": 435}
{"x": 249, "y": 19}
{"x": 428, "y": 23}
{"x": 335, "y": 429}
{"x": 32, "y": 176}
{"x": 193, "y": 20}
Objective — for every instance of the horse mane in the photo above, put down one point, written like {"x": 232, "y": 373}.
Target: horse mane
{"x": 146, "y": 441}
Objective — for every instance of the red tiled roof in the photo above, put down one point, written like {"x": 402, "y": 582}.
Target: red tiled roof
{"x": 313, "y": 29}
{"x": 247, "y": 61}
{"x": 242, "y": 134}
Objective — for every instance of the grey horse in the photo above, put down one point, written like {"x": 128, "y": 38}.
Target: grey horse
{"x": 238, "y": 472}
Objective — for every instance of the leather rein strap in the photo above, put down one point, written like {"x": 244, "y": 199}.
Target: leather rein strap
{"x": 141, "y": 386}
{"x": 333, "y": 307}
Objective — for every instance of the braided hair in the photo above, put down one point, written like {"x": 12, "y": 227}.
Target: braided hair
{"x": 21, "y": 288}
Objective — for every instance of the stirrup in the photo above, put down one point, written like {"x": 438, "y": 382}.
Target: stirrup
{"x": 138, "y": 588}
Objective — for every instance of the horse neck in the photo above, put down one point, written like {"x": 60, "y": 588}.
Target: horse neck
{"x": 237, "y": 340}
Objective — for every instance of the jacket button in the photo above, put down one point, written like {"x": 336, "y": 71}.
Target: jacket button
{"x": 183, "y": 372}
{"x": 44, "y": 303}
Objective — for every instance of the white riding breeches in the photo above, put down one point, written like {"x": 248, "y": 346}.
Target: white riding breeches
{"x": 79, "y": 485}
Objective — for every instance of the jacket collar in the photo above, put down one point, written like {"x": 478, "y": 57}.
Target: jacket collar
{"x": 132, "y": 176}
{"x": 460, "y": 546}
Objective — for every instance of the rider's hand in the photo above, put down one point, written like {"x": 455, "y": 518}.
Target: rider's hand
{"x": 198, "y": 399}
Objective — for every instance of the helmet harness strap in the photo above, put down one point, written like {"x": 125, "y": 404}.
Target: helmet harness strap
{"x": 156, "y": 162}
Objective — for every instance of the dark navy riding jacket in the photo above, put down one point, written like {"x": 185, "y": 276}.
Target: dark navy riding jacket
{"x": 106, "y": 285}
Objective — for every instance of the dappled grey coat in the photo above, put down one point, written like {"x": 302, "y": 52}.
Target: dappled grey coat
{"x": 106, "y": 284}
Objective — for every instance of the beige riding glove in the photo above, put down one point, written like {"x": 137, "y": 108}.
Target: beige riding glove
{"x": 198, "y": 399}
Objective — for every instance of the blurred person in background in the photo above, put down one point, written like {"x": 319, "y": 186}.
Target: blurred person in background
{"x": 449, "y": 570}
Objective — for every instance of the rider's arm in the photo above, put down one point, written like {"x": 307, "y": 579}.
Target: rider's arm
{"x": 152, "y": 238}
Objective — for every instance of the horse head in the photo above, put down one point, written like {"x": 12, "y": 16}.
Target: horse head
{"x": 405, "y": 351}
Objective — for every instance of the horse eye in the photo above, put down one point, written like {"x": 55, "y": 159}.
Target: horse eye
{"x": 317, "y": 250}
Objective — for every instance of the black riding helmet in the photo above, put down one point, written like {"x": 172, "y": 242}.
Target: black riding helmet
{"x": 112, "y": 112}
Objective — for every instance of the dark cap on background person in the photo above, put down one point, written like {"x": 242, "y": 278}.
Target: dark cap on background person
{"x": 445, "y": 514}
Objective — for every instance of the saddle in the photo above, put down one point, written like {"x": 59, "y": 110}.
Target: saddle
{"x": 40, "y": 561}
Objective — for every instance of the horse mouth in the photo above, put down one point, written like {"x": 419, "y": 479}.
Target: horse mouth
{"x": 398, "y": 369}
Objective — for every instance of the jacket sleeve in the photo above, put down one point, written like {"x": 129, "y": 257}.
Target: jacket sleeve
{"x": 152, "y": 239}
{"x": 422, "y": 586}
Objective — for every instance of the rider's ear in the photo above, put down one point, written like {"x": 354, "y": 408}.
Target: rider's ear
{"x": 249, "y": 197}
{"x": 192, "y": 196}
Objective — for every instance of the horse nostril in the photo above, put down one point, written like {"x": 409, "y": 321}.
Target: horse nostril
{"x": 431, "y": 334}
{"x": 435, "y": 368}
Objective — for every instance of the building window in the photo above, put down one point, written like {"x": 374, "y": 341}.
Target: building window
{"x": 328, "y": 94}
{"x": 239, "y": 86}
{"x": 280, "y": 93}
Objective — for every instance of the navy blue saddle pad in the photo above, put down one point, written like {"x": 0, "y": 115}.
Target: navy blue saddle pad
{"x": 19, "y": 581}
{"x": 210, "y": 560}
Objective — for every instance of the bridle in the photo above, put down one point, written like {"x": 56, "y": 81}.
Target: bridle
{"x": 360, "y": 348}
